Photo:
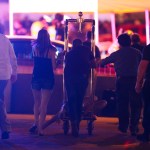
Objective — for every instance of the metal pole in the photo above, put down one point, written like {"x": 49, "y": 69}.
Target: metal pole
{"x": 147, "y": 24}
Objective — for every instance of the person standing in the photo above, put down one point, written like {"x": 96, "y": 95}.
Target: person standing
{"x": 126, "y": 61}
{"x": 78, "y": 62}
{"x": 42, "y": 78}
{"x": 87, "y": 42}
{"x": 135, "y": 40}
{"x": 38, "y": 25}
{"x": 26, "y": 24}
{"x": 143, "y": 85}
{"x": 8, "y": 71}
{"x": 59, "y": 27}
{"x": 97, "y": 55}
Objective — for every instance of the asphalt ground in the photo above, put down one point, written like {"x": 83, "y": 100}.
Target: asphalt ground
{"x": 105, "y": 136}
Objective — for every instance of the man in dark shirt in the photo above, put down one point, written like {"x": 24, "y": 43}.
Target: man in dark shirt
{"x": 143, "y": 84}
{"x": 126, "y": 61}
{"x": 88, "y": 43}
{"x": 76, "y": 74}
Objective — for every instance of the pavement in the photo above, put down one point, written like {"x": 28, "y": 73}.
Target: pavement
{"x": 105, "y": 136}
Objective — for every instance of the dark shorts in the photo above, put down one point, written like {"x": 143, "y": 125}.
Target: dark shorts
{"x": 39, "y": 84}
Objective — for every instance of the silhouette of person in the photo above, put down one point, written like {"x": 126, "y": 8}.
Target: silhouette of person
{"x": 42, "y": 78}
{"x": 8, "y": 71}
{"x": 126, "y": 61}
{"x": 26, "y": 23}
{"x": 59, "y": 27}
{"x": 38, "y": 25}
{"x": 87, "y": 42}
{"x": 78, "y": 63}
{"x": 143, "y": 85}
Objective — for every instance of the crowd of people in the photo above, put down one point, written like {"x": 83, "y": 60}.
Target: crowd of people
{"x": 26, "y": 26}
{"x": 132, "y": 66}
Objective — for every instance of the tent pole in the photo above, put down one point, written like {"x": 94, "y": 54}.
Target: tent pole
{"x": 113, "y": 27}
{"x": 147, "y": 23}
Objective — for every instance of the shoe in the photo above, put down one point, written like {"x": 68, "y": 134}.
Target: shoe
{"x": 5, "y": 135}
{"x": 33, "y": 129}
{"x": 143, "y": 137}
{"x": 122, "y": 130}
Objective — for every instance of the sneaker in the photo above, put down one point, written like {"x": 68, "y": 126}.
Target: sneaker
{"x": 33, "y": 129}
{"x": 5, "y": 135}
{"x": 143, "y": 137}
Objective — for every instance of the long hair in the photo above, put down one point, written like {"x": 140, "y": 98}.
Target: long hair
{"x": 43, "y": 42}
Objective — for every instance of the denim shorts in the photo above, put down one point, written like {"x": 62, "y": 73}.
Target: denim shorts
{"x": 39, "y": 84}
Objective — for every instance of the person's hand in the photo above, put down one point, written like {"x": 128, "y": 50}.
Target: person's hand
{"x": 138, "y": 88}
{"x": 13, "y": 78}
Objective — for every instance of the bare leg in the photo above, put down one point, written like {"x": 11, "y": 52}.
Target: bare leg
{"x": 37, "y": 102}
{"x": 46, "y": 94}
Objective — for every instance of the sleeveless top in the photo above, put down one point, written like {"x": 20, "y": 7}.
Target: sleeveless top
{"x": 43, "y": 68}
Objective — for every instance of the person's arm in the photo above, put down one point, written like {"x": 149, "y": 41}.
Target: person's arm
{"x": 13, "y": 61}
{"x": 97, "y": 53}
{"x": 107, "y": 60}
{"x": 141, "y": 73}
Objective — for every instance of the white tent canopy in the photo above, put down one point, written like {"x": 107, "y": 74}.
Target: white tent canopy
{"x": 103, "y": 6}
{"x": 73, "y": 6}
{"x": 54, "y": 6}
{"x": 126, "y": 6}
{"x": 122, "y": 6}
